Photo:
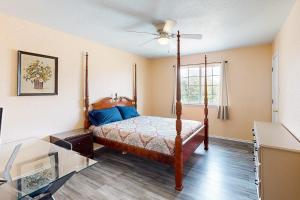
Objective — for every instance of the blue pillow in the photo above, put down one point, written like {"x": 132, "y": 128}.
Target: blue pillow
{"x": 128, "y": 111}
{"x": 104, "y": 116}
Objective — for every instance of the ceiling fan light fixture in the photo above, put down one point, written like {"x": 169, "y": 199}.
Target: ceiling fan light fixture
{"x": 163, "y": 40}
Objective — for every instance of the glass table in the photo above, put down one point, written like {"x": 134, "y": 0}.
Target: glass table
{"x": 30, "y": 165}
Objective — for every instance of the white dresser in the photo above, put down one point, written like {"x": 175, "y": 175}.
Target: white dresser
{"x": 277, "y": 162}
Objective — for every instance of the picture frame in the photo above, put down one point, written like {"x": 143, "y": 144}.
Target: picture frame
{"x": 37, "y": 74}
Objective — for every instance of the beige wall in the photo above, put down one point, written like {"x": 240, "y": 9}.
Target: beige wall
{"x": 110, "y": 72}
{"x": 287, "y": 45}
{"x": 249, "y": 79}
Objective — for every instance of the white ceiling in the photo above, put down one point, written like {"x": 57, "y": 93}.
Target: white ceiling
{"x": 223, "y": 23}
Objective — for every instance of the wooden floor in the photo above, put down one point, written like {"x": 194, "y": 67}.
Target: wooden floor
{"x": 224, "y": 172}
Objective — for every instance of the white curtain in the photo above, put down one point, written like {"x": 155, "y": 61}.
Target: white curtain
{"x": 173, "y": 112}
{"x": 223, "y": 111}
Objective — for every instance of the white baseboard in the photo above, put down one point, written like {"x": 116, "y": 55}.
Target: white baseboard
{"x": 231, "y": 139}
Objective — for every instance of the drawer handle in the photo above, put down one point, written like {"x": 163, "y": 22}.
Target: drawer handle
{"x": 254, "y": 141}
{"x": 253, "y": 132}
{"x": 256, "y": 182}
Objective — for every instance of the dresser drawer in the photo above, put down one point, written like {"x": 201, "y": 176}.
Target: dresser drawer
{"x": 257, "y": 163}
{"x": 82, "y": 144}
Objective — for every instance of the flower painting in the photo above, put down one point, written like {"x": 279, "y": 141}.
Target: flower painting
{"x": 37, "y": 74}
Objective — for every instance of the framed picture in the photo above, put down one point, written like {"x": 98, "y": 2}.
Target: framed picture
{"x": 37, "y": 74}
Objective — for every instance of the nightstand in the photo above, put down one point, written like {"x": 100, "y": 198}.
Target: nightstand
{"x": 79, "y": 140}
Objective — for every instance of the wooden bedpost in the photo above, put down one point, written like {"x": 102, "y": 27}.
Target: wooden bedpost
{"x": 205, "y": 108}
{"x": 86, "y": 93}
{"x": 178, "y": 163}
{"x": 134, "y": 87}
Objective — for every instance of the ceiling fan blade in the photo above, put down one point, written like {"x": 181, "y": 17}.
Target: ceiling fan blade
{"x": 142, "y": 32}
{"x": 144, "y": 43}
{"x": 191, "y": 36}
{"x": 169, "y": 25}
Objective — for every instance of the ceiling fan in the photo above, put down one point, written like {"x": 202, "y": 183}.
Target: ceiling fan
{"x": 164, "y": 33}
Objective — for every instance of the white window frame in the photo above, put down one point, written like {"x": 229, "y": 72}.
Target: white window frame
{"x": 201, "y": 103}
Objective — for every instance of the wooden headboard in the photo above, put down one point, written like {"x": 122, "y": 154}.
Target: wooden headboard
{"x": 109, "y": 102}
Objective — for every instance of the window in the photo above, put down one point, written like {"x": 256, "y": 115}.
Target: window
{"x": 192, "y": 84}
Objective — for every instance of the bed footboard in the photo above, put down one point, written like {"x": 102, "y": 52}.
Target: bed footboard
{"x": 193, "y": 142}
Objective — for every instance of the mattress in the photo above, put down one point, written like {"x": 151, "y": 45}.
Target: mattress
{"x": 148, "y": 132}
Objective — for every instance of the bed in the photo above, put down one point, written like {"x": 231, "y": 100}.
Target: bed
{"x": 167, "y": 140}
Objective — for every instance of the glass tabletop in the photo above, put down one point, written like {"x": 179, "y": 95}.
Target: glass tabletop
{"x": 33, "y": 164}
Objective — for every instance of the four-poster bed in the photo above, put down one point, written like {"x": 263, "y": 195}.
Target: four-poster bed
{"x": 188, "y": 134}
